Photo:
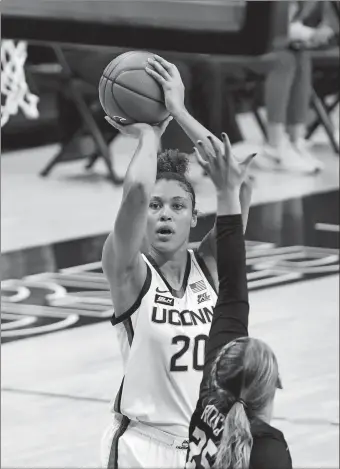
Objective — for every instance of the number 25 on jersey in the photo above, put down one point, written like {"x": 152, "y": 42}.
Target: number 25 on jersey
{"x": 201, "y": 451}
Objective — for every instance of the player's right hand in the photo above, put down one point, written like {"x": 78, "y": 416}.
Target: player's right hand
{"x": 224, "y": 169}
{"x": 168, "y": 76}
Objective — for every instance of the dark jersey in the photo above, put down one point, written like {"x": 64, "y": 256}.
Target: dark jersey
{"x": 230, "y": 321}
{"x": 270, "y": 450}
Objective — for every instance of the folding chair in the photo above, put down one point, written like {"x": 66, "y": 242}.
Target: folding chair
{"x": 74, "y": 87}
{"x": 326, "y": 76}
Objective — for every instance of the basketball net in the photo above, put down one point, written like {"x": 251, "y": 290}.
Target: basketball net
{"x": 15, "y": 94}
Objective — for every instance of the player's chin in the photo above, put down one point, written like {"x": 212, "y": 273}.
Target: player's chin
{"x": 166, "y": 245}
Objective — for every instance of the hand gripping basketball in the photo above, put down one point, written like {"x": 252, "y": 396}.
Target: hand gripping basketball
{"x": 168, "y": 76}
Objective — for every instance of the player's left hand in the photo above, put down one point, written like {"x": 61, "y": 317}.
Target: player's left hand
{"x": 225, "y": 170}
{"x": 168, "y": 76}
{"x": 136, "y": 130}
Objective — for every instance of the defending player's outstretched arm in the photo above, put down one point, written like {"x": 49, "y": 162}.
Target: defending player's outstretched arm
{"x": 122, "y": 262}
{"x": 207, "y": 248}
{"x": 230, "y": 318}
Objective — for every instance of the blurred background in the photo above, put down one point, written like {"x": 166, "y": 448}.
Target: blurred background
{"x": 265, "y": 72}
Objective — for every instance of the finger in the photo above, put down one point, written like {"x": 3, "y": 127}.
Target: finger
{"x": 218, "y": 149}
{"x": 155, "y": 75}
{"x": 168, "y": 119}
{"x": 207, "y": 150}
{"x": 248, "y": 159}
{"x": 115, "y": 123}
{"x": 159, "y": 68}
{"x": 204, "y": 164}
{"x": 167, "y": 65}
{"x": 163, "y": 125}
{"x": 246, "y": 191}
{"x": 248, "y": 181}
{"x": 115, "y": 119}
{"x": 227, "y": 145}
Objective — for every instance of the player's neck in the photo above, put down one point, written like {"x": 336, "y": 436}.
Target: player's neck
{"x": 267, "y": 413}
{"x": 172, "y": 265}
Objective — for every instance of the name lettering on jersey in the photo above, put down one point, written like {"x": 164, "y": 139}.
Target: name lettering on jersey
{"x": 203, "y": 297}
{"x": 164, "y": 300}
{"x": 181, "y": 318}
{"x": 212, "y": 417}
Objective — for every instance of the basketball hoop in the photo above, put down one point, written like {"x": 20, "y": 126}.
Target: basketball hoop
{"x": 15, "y": 94}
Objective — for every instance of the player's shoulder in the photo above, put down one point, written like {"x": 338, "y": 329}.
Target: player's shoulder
{"x": 261, "y": 429}
{"x": 270, "y": 449}
{"x": 152, "y": 265}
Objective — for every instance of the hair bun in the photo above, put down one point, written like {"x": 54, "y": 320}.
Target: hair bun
{"x": 172, "y": 161}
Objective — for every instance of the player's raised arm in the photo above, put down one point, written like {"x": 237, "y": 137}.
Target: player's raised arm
{"x": 121, "y": 259}
{"x": 168, "y": 76}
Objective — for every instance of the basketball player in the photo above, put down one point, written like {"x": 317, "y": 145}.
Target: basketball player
{"x": 230, "y": 428}
{"x": 163, "y": 296}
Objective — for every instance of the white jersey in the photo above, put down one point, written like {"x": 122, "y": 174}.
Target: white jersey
{"x": 162, "y": 339}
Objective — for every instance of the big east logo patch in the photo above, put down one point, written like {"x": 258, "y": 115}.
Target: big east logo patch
{"x": 203, "y": 297}
{"x": 164, "y": 300}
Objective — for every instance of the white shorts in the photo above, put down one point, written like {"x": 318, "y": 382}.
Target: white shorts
{"x": 128, "y": 444}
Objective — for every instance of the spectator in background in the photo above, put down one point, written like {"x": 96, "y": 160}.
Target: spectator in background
{"x": 288, "y": 90}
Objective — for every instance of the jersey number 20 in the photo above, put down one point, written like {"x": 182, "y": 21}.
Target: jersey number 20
{"x": 199, "y": 343}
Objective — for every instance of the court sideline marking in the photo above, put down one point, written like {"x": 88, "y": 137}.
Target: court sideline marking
{"x": 299, "y": 421}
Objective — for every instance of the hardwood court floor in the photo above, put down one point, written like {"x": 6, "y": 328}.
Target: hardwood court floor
{"x": 56, "y": 388}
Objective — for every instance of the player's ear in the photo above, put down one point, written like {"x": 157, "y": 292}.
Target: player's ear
{"x": 194, "y": 218}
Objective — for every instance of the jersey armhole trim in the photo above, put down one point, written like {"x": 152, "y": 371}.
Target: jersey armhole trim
{"x": 204, "y": 269}
{"x": 123, "y": 317}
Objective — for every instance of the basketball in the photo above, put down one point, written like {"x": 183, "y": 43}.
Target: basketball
{"x": 127, "y": 91}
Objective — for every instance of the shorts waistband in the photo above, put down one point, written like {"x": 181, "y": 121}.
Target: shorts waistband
{"x": 166, "y": 438}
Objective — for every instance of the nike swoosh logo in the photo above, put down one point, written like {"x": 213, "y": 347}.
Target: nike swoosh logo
{"x": 161, "y": 291}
